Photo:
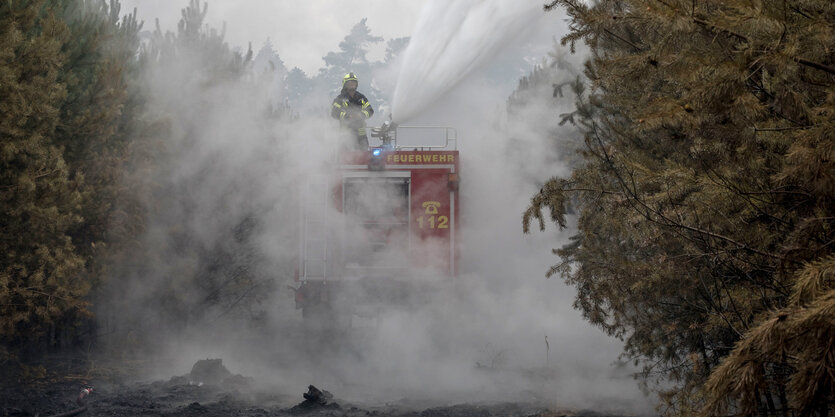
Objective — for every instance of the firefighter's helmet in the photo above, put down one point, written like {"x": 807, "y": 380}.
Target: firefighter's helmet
{"x": 349, "y": 77}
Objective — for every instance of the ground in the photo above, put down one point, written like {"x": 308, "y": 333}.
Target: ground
{"x": 136, "y": 382}
{"x": 183, "y": 400}
{"x": 56, "y": 393}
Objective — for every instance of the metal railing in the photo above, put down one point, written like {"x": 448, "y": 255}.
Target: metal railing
{"x": 450, "y": 138}
{"x": 418, "y": 136}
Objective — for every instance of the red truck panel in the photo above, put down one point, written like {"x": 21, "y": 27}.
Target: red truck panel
{"x": 434, "y": 208}
{"x": 432, "y": 219}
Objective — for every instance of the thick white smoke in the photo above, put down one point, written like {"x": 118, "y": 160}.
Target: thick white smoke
{"x": 484, "y": 338}
{"x": 451, "y": 40}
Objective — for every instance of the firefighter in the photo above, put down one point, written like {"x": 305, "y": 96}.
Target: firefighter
{"x": 352, "y": 108}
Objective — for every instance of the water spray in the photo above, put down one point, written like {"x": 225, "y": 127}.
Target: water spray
{"x": 451, "y": 40}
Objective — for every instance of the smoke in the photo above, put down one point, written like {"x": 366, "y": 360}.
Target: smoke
{"x": 452, "y": 40}
{"x": 226, "y": 211}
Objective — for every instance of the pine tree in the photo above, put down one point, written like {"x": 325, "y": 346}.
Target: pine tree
{"x": 267, "y": 59}
{"x": 394, "y": 47}
{"x": 299, "y": 86}
{"x": 39, "y": 202}
{"x": 97, "y": 116}
{"x": 66, "y": 63}
{"x": 547, "y": 91}
{"x": 706, "y": 189}
{"x": 352, "y": 57}
{"x": 272, "y": 74}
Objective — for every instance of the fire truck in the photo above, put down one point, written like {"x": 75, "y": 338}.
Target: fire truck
{"x": 380, "y": 228}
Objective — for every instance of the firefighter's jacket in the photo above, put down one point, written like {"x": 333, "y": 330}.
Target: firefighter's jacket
{"x": 352, "y": 111}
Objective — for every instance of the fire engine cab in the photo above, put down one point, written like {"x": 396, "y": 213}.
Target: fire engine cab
{"x": 382, "y": 226}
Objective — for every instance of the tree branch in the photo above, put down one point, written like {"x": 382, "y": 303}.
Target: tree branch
{"x": 801, "y": 61}
{"x": 668, "y": 222}
{"x": 780, "y": 129}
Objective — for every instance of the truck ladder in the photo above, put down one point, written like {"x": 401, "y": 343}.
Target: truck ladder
{"x": 315, "y": 230}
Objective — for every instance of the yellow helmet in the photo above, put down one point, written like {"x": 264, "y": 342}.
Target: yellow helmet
{"x": 349, "y": 77}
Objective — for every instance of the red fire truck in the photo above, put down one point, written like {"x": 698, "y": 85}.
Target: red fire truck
{"x": 382, "y": 227}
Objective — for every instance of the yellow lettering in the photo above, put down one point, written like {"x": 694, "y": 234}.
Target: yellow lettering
{"x": 420, "y": 158}
{"x": 431, "y": 207}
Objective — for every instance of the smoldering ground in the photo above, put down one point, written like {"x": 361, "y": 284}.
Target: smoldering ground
{"x": 210, "y": 275}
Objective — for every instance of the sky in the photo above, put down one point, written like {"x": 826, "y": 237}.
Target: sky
{"x": 302, "y": 31}
{"x": 305, "y": 31}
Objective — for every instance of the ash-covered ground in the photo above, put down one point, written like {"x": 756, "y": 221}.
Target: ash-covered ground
{"x": 234, "y": 397}
{"x": 210, "y": 389}
{"x": 268, "y": 372}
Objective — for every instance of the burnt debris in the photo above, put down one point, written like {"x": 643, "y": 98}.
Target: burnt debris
{"x": 315, "y": 399}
